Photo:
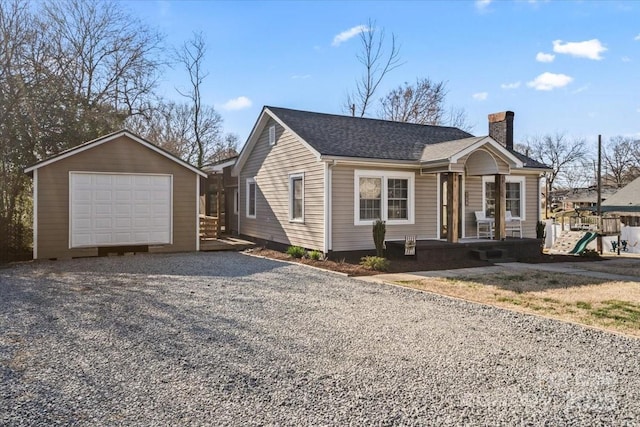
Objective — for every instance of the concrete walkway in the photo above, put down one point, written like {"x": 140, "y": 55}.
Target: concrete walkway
{"x": 577, "y": 268}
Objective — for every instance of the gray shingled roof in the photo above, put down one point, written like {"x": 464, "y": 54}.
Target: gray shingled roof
{"x": 627, "y": 199}
{"x": 345, "y": 136}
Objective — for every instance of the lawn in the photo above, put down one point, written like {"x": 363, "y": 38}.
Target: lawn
{"x": 610, "y": 305}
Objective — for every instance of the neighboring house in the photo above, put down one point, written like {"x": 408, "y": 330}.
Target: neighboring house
{"x": 579, "y": 198}
{"x": 320, "y": 180}
{"x": 117, "y": 191}
{"x": 625, "y": 203}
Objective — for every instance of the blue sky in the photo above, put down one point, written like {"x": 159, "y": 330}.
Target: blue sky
{"x": 562, "y": 66}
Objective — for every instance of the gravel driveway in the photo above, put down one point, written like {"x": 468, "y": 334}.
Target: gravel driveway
{"x": 227, "y": 339}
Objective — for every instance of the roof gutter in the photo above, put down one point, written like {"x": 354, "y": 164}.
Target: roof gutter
{"x": 365, "y": 161}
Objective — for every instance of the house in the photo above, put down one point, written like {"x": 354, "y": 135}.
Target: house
{"x": 115, "y": 193}
{"x": 320, "y": 180}
{"x": 625, "y": 203}
{"x": 579, "y": 198}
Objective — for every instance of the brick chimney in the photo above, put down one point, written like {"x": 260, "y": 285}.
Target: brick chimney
{"x": 501, "y": 128}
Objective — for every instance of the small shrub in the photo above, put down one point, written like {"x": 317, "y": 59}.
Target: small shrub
{"x": 590, "y": 253}
{"x": 296, "y": 251}
{"x": 315, "y": 255}
{"x": 375, "y": 263}
{"x": 379, "y": 231}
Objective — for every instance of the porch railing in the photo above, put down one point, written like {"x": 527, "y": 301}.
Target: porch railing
{"x": 209, "y": 227}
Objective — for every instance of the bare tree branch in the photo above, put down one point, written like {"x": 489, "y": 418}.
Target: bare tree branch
{"x": 378, "y": 61}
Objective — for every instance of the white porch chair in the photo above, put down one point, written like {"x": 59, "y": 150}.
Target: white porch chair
{"x": 513, "y": 224}
{"x": 484, "y": 225}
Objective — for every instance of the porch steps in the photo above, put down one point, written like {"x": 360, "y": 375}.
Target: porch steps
{"x": 494, "y": 255}
{"x": 566, "y": 241}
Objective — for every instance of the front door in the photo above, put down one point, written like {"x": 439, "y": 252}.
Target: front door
{"x": 444, "y": 185}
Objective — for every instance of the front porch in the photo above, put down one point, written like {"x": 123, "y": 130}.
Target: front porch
{"x": 466, "y": 250}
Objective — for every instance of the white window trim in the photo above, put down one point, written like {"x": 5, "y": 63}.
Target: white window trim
{"x": 384, "y": 176}
{"x": 272, "y": 135}
{"x": 292, "y": 176}
{"x": 255, "y": 200}
{"x": 508, "y": 178}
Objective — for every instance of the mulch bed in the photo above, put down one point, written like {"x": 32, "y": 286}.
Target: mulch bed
{"x": 406, "y": 266}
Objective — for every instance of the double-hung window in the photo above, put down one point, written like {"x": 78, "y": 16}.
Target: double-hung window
{"x": 514, "y": 195}
{"x": 384, "y": 195}
{"x": 251, "y": 197}
{"x": 296, "y": 197}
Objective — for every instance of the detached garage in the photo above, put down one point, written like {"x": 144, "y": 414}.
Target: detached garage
{"x": 115, "y": 193}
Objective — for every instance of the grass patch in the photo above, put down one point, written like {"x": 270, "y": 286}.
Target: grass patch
{"x": 583, "y": 305}
{"x": 591, "y": 301}
{"x": 619, "y": 311}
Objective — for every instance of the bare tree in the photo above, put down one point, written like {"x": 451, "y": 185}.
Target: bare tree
{"x": 619, "y": 160}
{"x": 457, "y": 118}
{"x": 557, "y": 152}
{"x": 170, "y": 125}
{"x": 205, "y": 122}
{"x": 378, "y": 60}
{"x": 106, "y": 55}
{"x": 421, "y": 103}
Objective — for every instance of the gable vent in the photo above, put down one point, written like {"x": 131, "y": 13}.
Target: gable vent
{"x": 272, "y": 135}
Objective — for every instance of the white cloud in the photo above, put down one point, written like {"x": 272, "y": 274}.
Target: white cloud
{"x": 480, "y": 96}
{"x": 482, "y": 4}
{"x": 626, "y": 59}
{"x": 301, "y": 76}
{"x": 545, "y": 57}
{"x": 238, "y": 103}
{"x": 550, "y": 81}
{"x": 637, "y": 38}
{"x": 348, "y": 34}
{"x": 508, "y": 86}
{"x": 590, "y": 49}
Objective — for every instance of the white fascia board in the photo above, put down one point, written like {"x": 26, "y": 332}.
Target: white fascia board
{"x": 251, "y": 142}
{"x": 99, "y": 141}
{"x": 359, "y": 161}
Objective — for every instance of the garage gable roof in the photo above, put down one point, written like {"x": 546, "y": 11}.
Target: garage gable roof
{"x": 110, "y": 137}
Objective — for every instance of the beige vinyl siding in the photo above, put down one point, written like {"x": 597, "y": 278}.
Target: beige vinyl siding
{"x": 347, "y": 237}
{"x": 473, "y": 188}
{"x": 271, "y": 166}
{"x": 121, "y": 155}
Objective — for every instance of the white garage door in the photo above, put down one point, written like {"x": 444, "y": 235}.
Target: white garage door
{"x": 119, "y": 209}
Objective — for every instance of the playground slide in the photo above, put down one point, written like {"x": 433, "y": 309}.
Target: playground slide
{"x": 582, "y": 243}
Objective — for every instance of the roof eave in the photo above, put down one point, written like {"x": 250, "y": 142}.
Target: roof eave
{"x": 110, "y": 137}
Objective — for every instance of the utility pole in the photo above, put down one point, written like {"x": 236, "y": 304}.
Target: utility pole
{"x": 599, "y": 241}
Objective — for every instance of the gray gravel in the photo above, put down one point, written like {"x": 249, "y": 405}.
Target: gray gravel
{"x": 226, "y": 339}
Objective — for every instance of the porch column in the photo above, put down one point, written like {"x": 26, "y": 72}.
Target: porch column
{"x": 452, "y": 207}
{"x": 501, "y": 194}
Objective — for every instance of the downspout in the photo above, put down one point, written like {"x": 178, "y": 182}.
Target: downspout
{"x": 239, "y": 205}
{"x": 328, "y": 198}
{"x": 198, "y": 212}
{"x": 35, "y": 213}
